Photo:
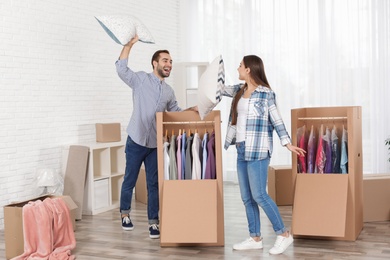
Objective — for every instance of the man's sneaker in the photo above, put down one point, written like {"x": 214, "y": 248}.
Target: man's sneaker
{"x": 250, "y": 243}
{"x": 281, "y": 244}
{"x": 126, "y": 223}
{"x": 154, "y": 231}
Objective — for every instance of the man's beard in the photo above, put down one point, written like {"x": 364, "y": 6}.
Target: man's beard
{"x": 160, "y": 72}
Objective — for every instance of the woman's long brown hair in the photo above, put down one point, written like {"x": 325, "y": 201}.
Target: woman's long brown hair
{"x": 257, "y": 73}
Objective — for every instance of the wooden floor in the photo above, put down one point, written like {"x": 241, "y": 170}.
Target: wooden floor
{"x": 101, "y": 237}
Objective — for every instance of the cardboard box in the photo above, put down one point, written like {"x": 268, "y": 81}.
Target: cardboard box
{"x": 329, "y": 206}
{"x": 199, "y": 202}
{"x": 280, "y": 185}
{"x": 141, "y": 192}
{"x": 376, "y": 197}
{"x": 108, "y": 132}
{"x": 13, "y": 224}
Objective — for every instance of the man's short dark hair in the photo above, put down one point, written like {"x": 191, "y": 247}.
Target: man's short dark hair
{"x": 156, "y": 55}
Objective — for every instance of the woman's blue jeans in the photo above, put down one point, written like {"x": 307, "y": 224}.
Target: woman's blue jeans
{"x": 252, "y": 179}
{"x": 135, "y": 155}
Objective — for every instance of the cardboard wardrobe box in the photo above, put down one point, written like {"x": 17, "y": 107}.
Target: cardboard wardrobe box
{"x": 280, "y": 186}
{"x": 376, "y": 197}
{"x": 329, "y": 206}
{"x": 13, "y": 224}
{"x": 141, "y": 192}
{"x": 108, "y": 132}
{"x": 191, "y": 211}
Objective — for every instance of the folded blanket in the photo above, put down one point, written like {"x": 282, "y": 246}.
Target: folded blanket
{"x": 47, "y": 229}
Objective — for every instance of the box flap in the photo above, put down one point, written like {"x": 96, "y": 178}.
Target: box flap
{"x": 69, "y": 202}
{"x": 320, "y": 205}
{"x": 376, "y": 176}
{"x": 199, "y": 207}
{"x": 281, "y": 167}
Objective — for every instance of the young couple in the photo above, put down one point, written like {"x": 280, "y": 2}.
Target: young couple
{"x": 253, "y": 118}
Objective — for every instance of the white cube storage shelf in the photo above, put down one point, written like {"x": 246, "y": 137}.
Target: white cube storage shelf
{"x": 106, "y": 169}
{"x": 101, "y": 196}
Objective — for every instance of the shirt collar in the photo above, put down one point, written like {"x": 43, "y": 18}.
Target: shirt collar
{"x": 157, "y": 79}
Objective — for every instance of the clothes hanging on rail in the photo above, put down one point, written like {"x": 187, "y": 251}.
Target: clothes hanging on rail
{"x": 205, "y": 155}
{"x": 320, "y": 155}
{"x": 188, "y": 167}
{"x": 311, "y": 150}
{"x": 196, "y": 166}
{"x": 327, "y": 155}
{"x": 336, "y": 152}
{"x": 302, "y": 143}
{"x": 166, "y": 160}
{"x": 189, "y": 157}
{"x": 183, "y": 154}
{"x": 178, "y": 156}
{"x": 210, "y": 165}
{"x": 327, "y": 151}
{"x": 344, "y": 152}
{"x": 172, "y": 158}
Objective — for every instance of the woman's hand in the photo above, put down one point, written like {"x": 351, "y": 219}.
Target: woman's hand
{"x": 295, "y": 149}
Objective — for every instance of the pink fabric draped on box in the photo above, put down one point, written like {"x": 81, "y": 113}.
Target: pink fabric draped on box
{"x": 47, "y": 229}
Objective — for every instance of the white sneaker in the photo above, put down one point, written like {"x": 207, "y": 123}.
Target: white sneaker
{"x": 250, "y": 243}
{"x": 281, "y": 244}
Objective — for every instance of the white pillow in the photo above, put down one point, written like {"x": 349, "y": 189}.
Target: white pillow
{"x": 210, "y": 86}
{"x": 122, "y": 28}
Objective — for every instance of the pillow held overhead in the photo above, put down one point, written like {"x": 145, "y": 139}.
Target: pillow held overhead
{"x": 122, "y": 28}
{"x": 210, "y": 85}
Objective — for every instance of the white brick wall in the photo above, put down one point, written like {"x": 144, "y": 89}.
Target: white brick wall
{"x": 57, "y": 79}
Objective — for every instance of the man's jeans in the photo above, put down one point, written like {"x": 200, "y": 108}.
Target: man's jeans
{"x": 135, "y": 155}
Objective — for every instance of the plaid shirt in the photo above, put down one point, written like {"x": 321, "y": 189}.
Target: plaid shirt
{"x": 263, "y": 118}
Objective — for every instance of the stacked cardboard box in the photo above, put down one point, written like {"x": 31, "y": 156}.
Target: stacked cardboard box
{"x": 280, "y": 185}
{"x": 108, "y": 132}
{"x": 376, "y": 197}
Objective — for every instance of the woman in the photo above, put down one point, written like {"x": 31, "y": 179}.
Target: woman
{"x": 253, "y": 117}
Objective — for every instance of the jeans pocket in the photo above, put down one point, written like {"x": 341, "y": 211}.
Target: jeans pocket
{"x": 240, "y": 151}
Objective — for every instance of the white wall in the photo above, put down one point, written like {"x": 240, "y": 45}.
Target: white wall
{"x": 57, "y": 79}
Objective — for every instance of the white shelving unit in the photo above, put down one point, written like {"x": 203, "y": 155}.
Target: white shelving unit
{"x": 186, "y": 79}
{"x": 106, "y": 168}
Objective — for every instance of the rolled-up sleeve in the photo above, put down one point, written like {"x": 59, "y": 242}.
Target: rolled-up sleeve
{"x": 126, "y": 74}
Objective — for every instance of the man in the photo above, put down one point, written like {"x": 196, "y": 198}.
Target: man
{"x": 150, "y": 95}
